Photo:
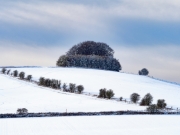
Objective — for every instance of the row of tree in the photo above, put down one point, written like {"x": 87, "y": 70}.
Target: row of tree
{"x": 147, "y": 101}
{"x": 156, "y": 107}
{"x": 52, "y": 83}
{"x": 15, "y": 73}
{"x": 89, "y": 61}
{"x": 104, "y": 93}
{"x": 135, "y": 97}
{"x": 56, "y": 84}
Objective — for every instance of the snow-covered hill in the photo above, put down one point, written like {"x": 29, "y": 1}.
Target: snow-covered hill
{"x": 122, "y": 84}
{"x": 15, "y": 93}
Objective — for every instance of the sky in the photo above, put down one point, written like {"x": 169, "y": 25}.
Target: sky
{"x": 143, "y": 33}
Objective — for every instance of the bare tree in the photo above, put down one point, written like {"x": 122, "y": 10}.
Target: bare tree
{"x": 135, "y": 97}
{"x": 15, "y": 73}
{"x": 22, "y": 110}
{"x": 42, "y": 81}
{"x": 8, "y": 72}
{"x": 21, "y": 75}
{"x": 64, "y": 87}
{"x": 147, "y": 100}
{"x": 29, "y": 77}
{"x": 3, "y": 70}
{"x": 109, "y": 94}
{"x": 102, "y": 93}
{"x": 80, "y": 88}
{"x": 161, "y": 104}
{"x": 72, "y": 87}
{"x": 152, "y": 108}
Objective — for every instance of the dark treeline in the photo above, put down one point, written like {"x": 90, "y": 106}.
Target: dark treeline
{"x": 91, "y": 48}
{"x": 53, "y": 83}
{"x": 15, "y": 73}
{"x": 55, "y": 114}
{"x": 89, "y": 61}
{"x": 90, "y": 54}
{"x": 46, "y": 82}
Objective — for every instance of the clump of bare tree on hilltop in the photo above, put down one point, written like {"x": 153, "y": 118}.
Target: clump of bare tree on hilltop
{"x": 90, "y": 54}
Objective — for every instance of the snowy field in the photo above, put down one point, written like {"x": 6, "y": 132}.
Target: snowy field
{"x": 93, "y": 125}
{"x": 122, "y": 84}
{"x": 15, "y": 93}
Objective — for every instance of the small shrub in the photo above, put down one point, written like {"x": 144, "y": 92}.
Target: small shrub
{"x": 144, "y": 71}
{"x": 15, "y": 73}
{"x": 64, "y": 87}
{"x": 80, "y": 88}
{"x": 135, "y": 97}
{"x": 3, "y": 70}
{"x": 29, "y": 77}
{"x": 109, "y": 94}
{"x": 121, "y": 98}
{"x": 147, "y": 100}
{"x": 102, "y": 93}
{"x": 54, "y": 84}
{"x": 72, "y": 87}
{"x": 21, "y": 75}
{"x": 59, "y": 84}
{"x": 47, "y": 82}
{"x": 8, "y": 72}
{"x": 143, "y": 103}
{"x": 161, "y": 104}
{"x": 152, "y": 108}
{"x": 42, "y": 81}
{"x": 22, "y": 111}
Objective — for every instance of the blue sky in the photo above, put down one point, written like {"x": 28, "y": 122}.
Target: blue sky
{"x": 143, "y": 33}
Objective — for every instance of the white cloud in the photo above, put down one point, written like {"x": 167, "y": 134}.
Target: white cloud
{"x": 51, "y": 15}
{"x": 158, "y": 10}
{"x": 61, "y": 15}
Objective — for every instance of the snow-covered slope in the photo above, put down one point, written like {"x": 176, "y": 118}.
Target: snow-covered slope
{"x": 122, "y": 84}
{"x": 15, "y": 93}
{"x": 93, "y": 125}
